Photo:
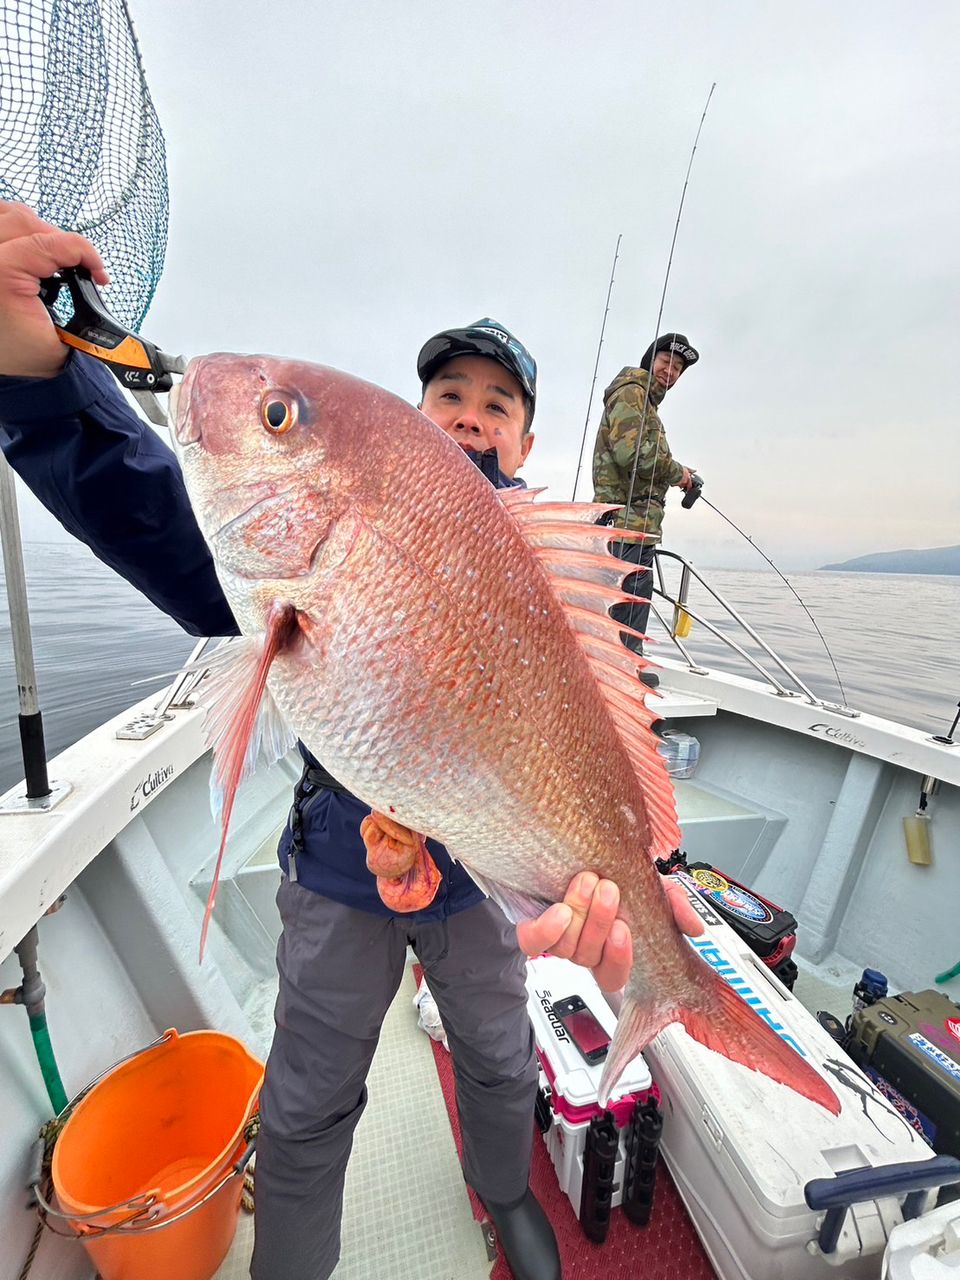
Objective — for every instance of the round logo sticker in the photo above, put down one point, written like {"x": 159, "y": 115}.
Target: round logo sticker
{"x": 953, "y": 1026}
{"x": 711, "y": 881}
{"x": 731, "y": 897}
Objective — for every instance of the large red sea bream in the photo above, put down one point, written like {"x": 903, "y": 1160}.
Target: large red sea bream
{"x": 444, "y": 649}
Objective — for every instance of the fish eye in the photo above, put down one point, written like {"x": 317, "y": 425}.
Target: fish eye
{"x": 278, "y": 412}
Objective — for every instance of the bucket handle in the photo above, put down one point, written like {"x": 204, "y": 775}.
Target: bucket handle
{"x": 145, "y": 1208}
{"x": 169, "y": 1034}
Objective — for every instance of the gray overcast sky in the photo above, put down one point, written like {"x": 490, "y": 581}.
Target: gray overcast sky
{"x": 347, "y": 179}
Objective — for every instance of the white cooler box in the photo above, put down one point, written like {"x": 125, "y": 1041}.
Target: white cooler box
{"x": 743, "y": 1149}
{"x": 570, "y": 1085}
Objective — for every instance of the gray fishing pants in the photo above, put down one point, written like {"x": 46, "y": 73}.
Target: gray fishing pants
{"x": 637, "y": 584}
{"x": 339, "y": 972}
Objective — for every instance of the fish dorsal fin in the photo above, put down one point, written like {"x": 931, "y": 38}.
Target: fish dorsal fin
{"x": 517, "y": 497}
{"x": 599, "y": 568}
{"x": 589, "y": 623}
{"x": 575, "y": 552}
{"x": 241, "y": 722}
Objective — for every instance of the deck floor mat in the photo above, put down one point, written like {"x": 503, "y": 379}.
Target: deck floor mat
{"x": 667, "y": 1249}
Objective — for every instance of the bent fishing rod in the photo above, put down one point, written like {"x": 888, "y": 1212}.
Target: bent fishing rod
{"x": 656, "y": 332}
{"x": 693, "y": 494}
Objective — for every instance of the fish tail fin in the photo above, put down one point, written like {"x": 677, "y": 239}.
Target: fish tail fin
{"x": 725, "y": 1023}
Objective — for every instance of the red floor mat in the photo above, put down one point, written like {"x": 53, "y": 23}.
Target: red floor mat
{"x": 667, "y": 1249}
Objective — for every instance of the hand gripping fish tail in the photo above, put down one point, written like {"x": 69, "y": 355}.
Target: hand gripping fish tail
{"x": 725, "y": 1023}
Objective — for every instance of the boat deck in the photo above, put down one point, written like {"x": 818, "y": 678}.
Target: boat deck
{"x": 406, "y": 1213}
{"x": 804, "y": 804}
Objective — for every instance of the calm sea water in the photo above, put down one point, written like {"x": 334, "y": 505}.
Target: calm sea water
{"x": 892, "y": 636}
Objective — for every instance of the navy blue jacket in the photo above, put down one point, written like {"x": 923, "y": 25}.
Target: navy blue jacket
{"x": 116, "y": 485}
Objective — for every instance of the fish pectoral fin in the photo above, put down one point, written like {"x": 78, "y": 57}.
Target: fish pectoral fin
{"x": 515, "y": 904}
{"x": 242, "y": 721}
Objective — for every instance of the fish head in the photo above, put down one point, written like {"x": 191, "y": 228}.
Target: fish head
{"x": 282, "y": 458}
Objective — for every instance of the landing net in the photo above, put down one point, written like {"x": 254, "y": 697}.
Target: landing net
{"x": 79, "y": 137}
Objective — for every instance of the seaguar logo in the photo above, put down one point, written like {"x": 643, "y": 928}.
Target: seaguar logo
{"x": 558, "y": 1028}
{"x": 718, "y": 962}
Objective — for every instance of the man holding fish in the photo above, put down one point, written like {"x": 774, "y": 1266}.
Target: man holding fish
{"x": 346, "y": 925}
{"x": 445, "y": 649}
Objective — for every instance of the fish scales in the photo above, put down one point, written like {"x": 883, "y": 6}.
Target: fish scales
{"x": 441, "y": 675}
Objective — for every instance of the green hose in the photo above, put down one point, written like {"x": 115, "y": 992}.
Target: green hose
{"x": 951, "y": 973}
{"x": 48, "y": 1063}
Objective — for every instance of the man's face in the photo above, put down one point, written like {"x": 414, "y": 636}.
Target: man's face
{"x": 667, "y": 368}
{"x": 480, "y": 404}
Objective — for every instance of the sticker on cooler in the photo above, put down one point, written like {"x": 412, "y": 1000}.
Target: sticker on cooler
{"x": 717, "y": 961}
{"x": 937, "y": 1055}
{"x": 953, "y": 1026}
{"x": 737, "y": 900}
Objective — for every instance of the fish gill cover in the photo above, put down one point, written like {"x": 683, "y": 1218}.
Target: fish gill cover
{"x": 80, "y": 141}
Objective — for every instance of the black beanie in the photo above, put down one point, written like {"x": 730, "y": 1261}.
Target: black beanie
{"x": 673, "y": 342}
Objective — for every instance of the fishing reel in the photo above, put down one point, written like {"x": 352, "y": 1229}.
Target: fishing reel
{"x": 694, "y": 492}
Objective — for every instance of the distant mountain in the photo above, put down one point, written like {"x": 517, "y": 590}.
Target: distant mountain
{"x": 930, "y": 560}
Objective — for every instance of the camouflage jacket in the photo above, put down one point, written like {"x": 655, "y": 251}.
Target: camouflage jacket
{"x": 626, "y": 431}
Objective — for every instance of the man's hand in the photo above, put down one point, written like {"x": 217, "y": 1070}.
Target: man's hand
{"x": 584, "y": 927}
{"x": 31, "y": 250}
{"x": 686, "y": 480}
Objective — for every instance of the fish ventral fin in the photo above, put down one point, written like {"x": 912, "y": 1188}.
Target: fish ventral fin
{"x": 574, "y": 551}
{"x": 242, "y": 721}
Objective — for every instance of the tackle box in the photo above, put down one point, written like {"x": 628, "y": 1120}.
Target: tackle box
{"x": 770, "y": 931}
{"x": 599, "y": 1156}
{"x": 777, "y": 1187}
{"x": 912, "y": 1041}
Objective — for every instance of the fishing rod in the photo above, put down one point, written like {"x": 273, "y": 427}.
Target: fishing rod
{"x": 694, "y": 493}
{"x": 603, "y": 328}
{"x": 696, "y": 488}
{"x": 656, "y": 334}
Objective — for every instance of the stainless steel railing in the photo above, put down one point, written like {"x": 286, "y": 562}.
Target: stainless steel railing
{"x": 789, "y": 685}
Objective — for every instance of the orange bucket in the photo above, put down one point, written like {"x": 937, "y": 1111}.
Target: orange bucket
{"x": 146, "y": 1169}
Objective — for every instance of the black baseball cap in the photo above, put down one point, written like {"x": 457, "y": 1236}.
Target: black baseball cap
{"x": 483, "y": 338}
{"x": 676, "y": 343}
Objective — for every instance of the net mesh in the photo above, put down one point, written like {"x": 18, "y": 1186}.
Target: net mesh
{"x": 79, "y": 137}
